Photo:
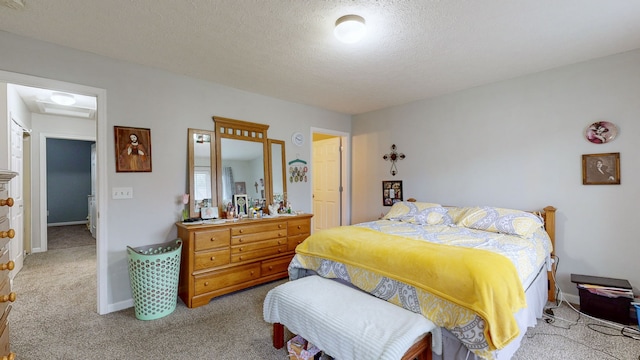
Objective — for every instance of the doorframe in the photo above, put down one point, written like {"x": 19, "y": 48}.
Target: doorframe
{"x": 101, "y": 169}
{"x": 345, "y": 206}
{"x": 44, "y": 205}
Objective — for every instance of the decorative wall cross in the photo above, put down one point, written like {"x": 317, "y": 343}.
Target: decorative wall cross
{"x": 393, "y": 156}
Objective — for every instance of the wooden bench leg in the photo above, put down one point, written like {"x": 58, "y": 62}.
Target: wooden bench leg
{"x": 421, "y": 350}
{"x": 278, "y": 335}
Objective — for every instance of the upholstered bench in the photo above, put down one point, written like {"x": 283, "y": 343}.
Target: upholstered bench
{"x": 346, "y": 323}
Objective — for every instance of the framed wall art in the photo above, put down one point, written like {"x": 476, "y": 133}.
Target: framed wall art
{"x": 133, "y": 149}
{"x": 241, "y": 203}
{"x": 601, "y": 169}
{"x": 241, "y": 187}
{"x": 391, "y": 192}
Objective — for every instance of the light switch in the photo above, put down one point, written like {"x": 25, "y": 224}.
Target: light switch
{"x": 122, "y": 193}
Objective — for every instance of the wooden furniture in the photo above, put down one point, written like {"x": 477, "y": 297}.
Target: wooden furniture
{"x": 6, "y": 295}
{"x": 221, "y": 258}
{"x": 235, "y": 155}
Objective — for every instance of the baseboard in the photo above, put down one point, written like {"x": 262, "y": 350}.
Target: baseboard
{"x": 120, "y": 306}
{"x": 81, "y": 222}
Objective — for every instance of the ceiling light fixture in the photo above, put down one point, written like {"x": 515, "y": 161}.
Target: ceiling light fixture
{"x": 63, "y": 99}
{"x": 350, "y": 28}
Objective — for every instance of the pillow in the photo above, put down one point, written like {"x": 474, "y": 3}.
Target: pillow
{"x": 504, "y": 221}
{"x": 436, "y": 215}
{"x": 407, "y": 210}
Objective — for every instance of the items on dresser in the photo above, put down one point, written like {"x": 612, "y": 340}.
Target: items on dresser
{"x": 6, "y": 265}
{"x": 221, "y": 258}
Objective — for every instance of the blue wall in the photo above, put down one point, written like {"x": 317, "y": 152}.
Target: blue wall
{"x": 68, "y": 180}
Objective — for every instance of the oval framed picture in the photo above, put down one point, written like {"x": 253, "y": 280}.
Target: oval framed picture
{"x": 601, "y": 132}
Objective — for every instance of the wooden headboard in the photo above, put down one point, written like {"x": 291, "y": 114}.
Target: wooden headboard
{"x": 549, "y": 216}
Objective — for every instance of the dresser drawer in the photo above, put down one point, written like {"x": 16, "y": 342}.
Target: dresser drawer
{"x": 257, "y": 245}
{"x": 297, "y": 227}
{"x": 250, "y": 255}
{"x": 252, "y": 229}
{"x": 224, "y": 278}
{"x": 204, "y": 240}
{"x": 208, "y": 259}
{"x": 248, "y": 238}
{"x": 295, "y": 241}
{"x": 4, "y": 339}
{"x": 5, "y": 291}
{"x": 276, "y": 266}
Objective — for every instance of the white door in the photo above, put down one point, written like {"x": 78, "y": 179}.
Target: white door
{"x": 16, "y": 245}
{"x": 327, "y": 189}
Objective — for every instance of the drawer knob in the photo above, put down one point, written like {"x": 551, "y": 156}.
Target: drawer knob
{"x": 8, "y": 202}
{"x": 271, "y": 267}
{"x": 280, "y": 226}
{"x": 8, "y": 266}
{"x": 206, "y": 283}
{"x": 239, "y": 249}
{"x": 213, "y": 258}
{"x": 279, "y": 250}
{"x": 241, "y": 231}
{"x": 240, "y": 257}
{"x": 11, "y": 356}
{"x": 299, "y": 227}
{"x": 10, "y": 234}
{"x": 240, "y": 240}
{"x": 11, "y": 297}
{"x": 212, "y": 239}
{"x": 252, "y": 272}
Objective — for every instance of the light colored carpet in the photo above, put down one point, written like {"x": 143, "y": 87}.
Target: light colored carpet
{"x": 54, "y": 317}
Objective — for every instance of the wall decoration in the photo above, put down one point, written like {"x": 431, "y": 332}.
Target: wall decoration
{"x": 241, "y": 203}
{"x": 391, "y": 192}
{"x": 240, "y": 187}
{"x": 298, "y": 171}
{"x": 133, "y": 149}
{"x": 601, "y": 132}
{"x": 393, "y": 156}
{"x": 601, "y": 169}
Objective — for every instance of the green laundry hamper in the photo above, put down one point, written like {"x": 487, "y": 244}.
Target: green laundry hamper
{"x": 154, "y": 272}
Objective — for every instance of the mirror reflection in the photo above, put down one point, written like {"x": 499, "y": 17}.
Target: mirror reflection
{"x": 278, "y": 177}
{"x": 242, "y": 166}
{"x": 201, "y": 171}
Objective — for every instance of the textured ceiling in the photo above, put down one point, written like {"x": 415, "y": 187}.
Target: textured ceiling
{"x": 286, "y": 49}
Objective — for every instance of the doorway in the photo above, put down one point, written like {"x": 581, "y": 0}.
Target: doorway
{"x": 330, "y": 193}
{"x": 36, "y": 207}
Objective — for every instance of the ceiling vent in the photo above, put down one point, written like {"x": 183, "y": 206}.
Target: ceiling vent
{"x": 13, "y": 4}
{"x": 51, "y": 108}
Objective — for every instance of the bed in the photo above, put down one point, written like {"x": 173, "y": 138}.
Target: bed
{"x": 481, "y": 274}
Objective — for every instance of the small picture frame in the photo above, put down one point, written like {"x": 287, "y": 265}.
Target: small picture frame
{"x": 133, "y": 149}
{"x": 240, "y": 187}
{"x": 391, "y": 192}
{"x": 601, "y": 169}
{"x": 209, "y": 213}
{"x": 241, "y": 203}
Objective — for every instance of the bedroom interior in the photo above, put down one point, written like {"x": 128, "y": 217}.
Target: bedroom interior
{"x": 512, "y": 141}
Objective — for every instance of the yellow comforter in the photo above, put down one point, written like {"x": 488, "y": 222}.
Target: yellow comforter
{"x": 479, "y": 280}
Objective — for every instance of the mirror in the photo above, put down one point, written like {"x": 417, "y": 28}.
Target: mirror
{"x": 277, "y": 164}
{"x": 202, "y": 173}
{"x": 242, "y": 164}
{"x": 235, "y": 158}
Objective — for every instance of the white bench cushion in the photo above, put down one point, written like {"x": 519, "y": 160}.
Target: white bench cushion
{"x": 344, "y": 322}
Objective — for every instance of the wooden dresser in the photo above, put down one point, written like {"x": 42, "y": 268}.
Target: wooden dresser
{"x": 6, "y": 295}
{"x": 221, "y": 258}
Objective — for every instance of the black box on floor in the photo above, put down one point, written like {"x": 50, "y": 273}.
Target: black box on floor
{"x": 600, "y": 306}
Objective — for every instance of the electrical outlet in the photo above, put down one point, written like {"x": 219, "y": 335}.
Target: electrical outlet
{"x": 122, "y": 193}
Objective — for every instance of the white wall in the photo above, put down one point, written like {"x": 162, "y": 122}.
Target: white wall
{"x": 168, "y": 104}
{"x": 519, "y": 144}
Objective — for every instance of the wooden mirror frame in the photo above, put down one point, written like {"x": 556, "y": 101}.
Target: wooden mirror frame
{"x": 240, "y": 130}
{"x": 283, "y": 161}
{"x": 191, "y": 161}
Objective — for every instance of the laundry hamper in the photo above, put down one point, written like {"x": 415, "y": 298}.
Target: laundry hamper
{"x": 154, "y": 272}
